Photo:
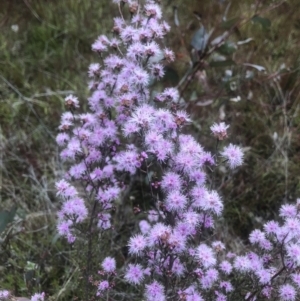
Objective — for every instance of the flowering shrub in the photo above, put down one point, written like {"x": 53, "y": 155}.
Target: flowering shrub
{"x": 128, "y": 131}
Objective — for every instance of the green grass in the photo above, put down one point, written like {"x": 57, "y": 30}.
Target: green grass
{"x": 40, "y": 64}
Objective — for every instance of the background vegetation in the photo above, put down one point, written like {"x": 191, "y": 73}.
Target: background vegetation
{"x": 251, "y": 81}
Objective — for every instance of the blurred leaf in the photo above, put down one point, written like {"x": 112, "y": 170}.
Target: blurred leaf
{"x": 204, "y": 103}
{"x": 200, "y": 39}
{"x": 7, "y": 217}
{"x": 55, "y": 238}
{"x": 244, "y": 41}
{"x": 257, "y": 67}
{"x": 197, "y": 15}
{"x": 30, "y": 266}
{"x": 224, "y": 63}
{"x": 264, "y": 22}
{"x": 176, "y": 20}
{"x": 194, "y": 96}
{"x": 235, "y": 99}
{"x": 194, "y": 56}
{"x": 227, "y": 48}
{"x": 226, "y": 11}
{"x": 230, "y": 23}
{"x": 233, "y": 85}
{"x": 249, "y": 74}
{"x": 219, "y": 39}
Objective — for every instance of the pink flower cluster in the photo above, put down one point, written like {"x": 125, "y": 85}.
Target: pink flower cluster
{"x": 174, "y": 256}
{"x": 4, "y": 295}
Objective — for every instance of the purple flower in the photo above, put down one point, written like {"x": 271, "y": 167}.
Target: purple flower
{"x": 104, "y": 221}
{"x": 109, "y": 264}
{"x": 127, "y": 161}
{"x": 155, "y": 292}
{"x": 293, "y": 252}
{"x": 178, "y": 268}
{"x": 63, "y": 227}
{"x": 94, "y": 69}
{"x": 226, "y": 286}
{"x": 296, "y": 279}
{"x": 287, "y": 292}
{"x": 157, "y": 71}
{"x": 234, "y": 155}
{"x": 72, "y": 101}
{"x": 219, "y": 130}
{"x": 4, "y": 294}
{"x": 100, "y": 44}
{"x": 171, "y": 181}
{"x": 102, "y": 287}
{"x": 212, "y": 202}
{"x": 288, "y": 211}
{"x": 176, "y": 242}
{"x": 191, "y": 294}
{"x": 62, "y": 139}
{"x": 264, "y": 276}
{"x": 169, "y": 94}
{"x": 137, "y": 244}
{"x": 175, "y": 201}
{"x": 153, "y": 216}
{"x": 242, "y": 264}
{"x": 209, "y": 278}
{"x": 134, "y": 273}
{"x": 153, "y": 11}
{"x": 144, "y": 226}
{"x": 220, "y": 296}
{"x": 226, "y": 267}
{"x": 257, "y": 236}
{"x": 271, "y": 227}
{"x": 218, "y": 246}
{"x": 159, "y": 233}
{"x": 206, "y": 256}
{"x": 38, "y": 297}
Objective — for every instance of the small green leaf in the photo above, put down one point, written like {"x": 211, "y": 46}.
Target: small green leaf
{"x": 264, "y": 22}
